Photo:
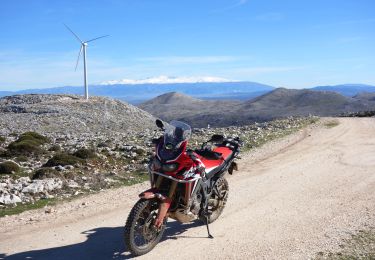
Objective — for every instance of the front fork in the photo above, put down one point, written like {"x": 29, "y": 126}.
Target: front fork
{"x": 165, "y": 201}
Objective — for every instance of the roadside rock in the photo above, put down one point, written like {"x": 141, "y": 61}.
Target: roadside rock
{"x": 9, "y": 199}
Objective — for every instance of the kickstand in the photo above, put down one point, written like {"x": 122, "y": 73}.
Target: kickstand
{"x": 208, "y": 229}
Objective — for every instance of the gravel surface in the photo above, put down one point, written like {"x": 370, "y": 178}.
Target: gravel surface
{"x": 291, "y": 199}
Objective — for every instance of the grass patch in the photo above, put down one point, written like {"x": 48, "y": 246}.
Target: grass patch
{"x": 133, "y": 178}
{"x": 29, "y": 206}
{"x": 254, "y": 140}
{"x": 361, "y": 245}
{"x": 331, "y": 123}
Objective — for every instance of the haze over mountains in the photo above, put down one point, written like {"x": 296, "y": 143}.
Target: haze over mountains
{"x": 142, "y": 90}
{"x": 278, "y": 103}
{"x": 138, "y": 91}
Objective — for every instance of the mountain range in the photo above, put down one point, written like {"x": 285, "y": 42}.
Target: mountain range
{"x": 278, "y": 103}
{"x": 138, "y": 91}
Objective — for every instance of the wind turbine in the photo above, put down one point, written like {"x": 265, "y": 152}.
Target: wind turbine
{"x": 83, "y": 47}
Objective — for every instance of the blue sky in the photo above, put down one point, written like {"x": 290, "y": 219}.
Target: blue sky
{"x": 295, "y": 44}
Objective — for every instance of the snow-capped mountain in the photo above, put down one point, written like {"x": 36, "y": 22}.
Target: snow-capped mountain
{"x": 168, "y": 80}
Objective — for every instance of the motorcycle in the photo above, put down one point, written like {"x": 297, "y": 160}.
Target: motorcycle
{"x": 186, "y": 185}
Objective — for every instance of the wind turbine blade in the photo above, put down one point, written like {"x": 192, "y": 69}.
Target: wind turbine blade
{"x": 79, "y": 55}
{"x": 73, "y": 33}
{"x": 97, "y": 38}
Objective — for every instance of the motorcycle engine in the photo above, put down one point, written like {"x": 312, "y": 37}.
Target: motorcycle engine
{"x": 196, "y": 205}
{"x": 187, "y": 215}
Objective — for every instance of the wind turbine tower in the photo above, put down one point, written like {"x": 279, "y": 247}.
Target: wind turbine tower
{"x": 83, "y": 49}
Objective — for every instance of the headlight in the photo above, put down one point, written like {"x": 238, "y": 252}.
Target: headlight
{"x": 169, "y": 167}
{"x": 156, "y": 165}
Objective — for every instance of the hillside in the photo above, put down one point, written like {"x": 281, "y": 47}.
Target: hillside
{"x": 288, "y": 102}
{"x": 69, "y": 114}
{"x": 279, "y": 103}
{"x": 348, "y": 90}
{"x": 174, "y": 105}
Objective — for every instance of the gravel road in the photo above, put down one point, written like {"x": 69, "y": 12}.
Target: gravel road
{"x": 291, "y": 199}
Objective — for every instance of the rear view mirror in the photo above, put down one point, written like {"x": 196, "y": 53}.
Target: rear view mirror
{"x": 217, "y": 138}
{"x": 159, "y": 124}
{"x": 155, "y": 141}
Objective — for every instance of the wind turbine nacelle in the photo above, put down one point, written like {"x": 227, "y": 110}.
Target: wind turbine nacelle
{"x": 85, "y": 43}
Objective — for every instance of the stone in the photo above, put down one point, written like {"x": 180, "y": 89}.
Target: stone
{"x": 52, "y": 184}
{"x": 35, "y": 187}
{"x": 73, "y": 184}
{"x": 59, "y": 168}
{"x": 69, "y": 167}
{"x": 9, "y": 199}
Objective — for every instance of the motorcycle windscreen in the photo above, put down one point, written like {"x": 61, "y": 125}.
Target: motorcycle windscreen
{"x": 176, "y": 132}
{"x": 175, "y": 136}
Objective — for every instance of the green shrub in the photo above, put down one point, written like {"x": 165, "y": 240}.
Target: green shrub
{"x": 84, "y": 153}
{"x": 9, "y": 167}
{"x": 2, "y": 139}
{"x": 25, "y": 147}
{"x": 63, "y": 159}
{"x": 44, "y": 173}
{"x": 21, "y": 158}
{"x": 37, "y": 138}
{"x": 55, "y": 148}
{"x": 28, "y": 143}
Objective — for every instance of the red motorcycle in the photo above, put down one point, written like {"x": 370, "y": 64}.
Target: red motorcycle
{"x": 186, "y": 185}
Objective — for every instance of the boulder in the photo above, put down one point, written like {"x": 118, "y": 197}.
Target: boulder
{"x": 9, "y": 199}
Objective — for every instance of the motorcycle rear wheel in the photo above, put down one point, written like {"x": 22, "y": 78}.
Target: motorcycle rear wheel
{"x": 140, "y": 235}
{"x": 218, "y": 199}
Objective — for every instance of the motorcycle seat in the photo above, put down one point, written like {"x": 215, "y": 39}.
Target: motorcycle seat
{"x": 214, "y": 164}
{"x": 209, "y": 154}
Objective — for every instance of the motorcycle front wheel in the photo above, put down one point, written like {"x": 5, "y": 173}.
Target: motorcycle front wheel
{"x": 140, "y": 234}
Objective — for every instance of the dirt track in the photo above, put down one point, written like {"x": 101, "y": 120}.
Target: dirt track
{"x": 290, "y": 200}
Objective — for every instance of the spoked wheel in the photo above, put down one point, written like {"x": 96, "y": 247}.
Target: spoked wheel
{"x": 218, "y": 199}
{"x": 140, "y": 234}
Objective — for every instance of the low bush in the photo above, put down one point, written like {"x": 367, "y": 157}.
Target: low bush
{"x": 21, "y": 158}
{"x": 28, "y": 143}
{"x": 55, "y": 148}
{"x": 84, "y": 153}
{"x": 37, "y": 138}
{"x": 24, "y": 147}
{"x": 9, "y": 167}
{"x": 63, "y": 159}
{"x": 2, "y": 139}
{"x": 44, "y": 173}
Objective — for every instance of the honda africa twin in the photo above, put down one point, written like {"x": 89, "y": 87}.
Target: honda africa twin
{"x": 186, "y": 185}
